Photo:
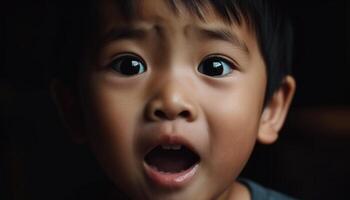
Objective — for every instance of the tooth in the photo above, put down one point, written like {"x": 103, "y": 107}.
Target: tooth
{"x": 167, "y": 147}
{"x": 176, "y": 147}
{"x": 172, "y": 146}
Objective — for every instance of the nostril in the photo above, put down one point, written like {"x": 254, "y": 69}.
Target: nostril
{"x": 185, "y": 114}
{"x": 160, "y": 114}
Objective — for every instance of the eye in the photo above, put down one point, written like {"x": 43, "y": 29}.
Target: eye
{"x": 216, "y": 66}
{"x": 129, "y": 65}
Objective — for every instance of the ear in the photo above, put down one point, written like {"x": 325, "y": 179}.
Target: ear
{"x": 275, "y": 112}
{"x": 69, "y": 109}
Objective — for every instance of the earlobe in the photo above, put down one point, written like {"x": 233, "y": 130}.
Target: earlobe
{"x": 68, "y": 108}
{"x": 275, "y": 112}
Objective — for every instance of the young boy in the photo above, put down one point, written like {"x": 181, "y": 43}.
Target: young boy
{"x": 171, "y": 96}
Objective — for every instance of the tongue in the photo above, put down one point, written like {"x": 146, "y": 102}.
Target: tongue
{"x": 170, "y": 161}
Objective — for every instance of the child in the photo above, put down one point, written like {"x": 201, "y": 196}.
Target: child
{"x": 171, "y": 96}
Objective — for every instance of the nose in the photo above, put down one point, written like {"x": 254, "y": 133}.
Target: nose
{"x": 172, "y": 101}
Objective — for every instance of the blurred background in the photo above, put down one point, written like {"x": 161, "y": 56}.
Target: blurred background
{"x": 310, "y": 161}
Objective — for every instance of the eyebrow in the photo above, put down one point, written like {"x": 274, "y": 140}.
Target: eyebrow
{"x": 225, "y": 35}
{"x": 121, "y": 33}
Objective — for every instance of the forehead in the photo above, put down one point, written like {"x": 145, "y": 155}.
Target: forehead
{"x": 198, "y": 11}
{"x": 170, "y": 14}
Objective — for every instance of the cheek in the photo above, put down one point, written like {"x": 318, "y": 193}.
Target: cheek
{"x": 113, "y": 108}
{"x": 112, "y": 115}
{"x": 232, "y": 137}
{"x": 111, "y": 123}
{"x": 233, "y": 121}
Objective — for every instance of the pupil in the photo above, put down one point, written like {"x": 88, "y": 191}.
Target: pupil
{"x": 129, "y": 66}
{"x": 213, "y": 67}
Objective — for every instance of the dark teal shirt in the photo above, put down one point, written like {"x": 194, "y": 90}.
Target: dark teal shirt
{"x": 259, "y": 192}
{"x": 102, "y": 190}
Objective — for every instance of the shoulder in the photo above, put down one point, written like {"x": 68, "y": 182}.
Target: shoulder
{"x": 259, "y": 192}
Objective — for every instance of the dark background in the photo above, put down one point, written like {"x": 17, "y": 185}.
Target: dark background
{"x": 310, "y": 161}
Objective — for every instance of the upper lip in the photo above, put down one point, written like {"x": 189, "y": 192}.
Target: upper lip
{"x": 169, "y": 139}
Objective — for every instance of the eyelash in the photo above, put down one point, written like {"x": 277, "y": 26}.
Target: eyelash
{"x": 220, "y": 60}
{"x": 135, "y": 65}
{"x": 225, "y": 58}
{"x": 134, "y": 60}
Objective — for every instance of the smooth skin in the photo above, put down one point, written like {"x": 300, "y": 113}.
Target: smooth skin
{"x": 222, "y": 117}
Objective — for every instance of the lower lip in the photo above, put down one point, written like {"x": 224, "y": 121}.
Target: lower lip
{"x": 170, "y": 180}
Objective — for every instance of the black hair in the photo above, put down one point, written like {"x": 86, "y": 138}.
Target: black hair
{"x": 267, "y": 18}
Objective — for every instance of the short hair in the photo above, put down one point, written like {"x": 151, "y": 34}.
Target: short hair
{"x": 267, "y": 18}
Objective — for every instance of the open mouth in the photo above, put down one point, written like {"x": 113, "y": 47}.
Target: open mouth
{"x": 171, "y": 159}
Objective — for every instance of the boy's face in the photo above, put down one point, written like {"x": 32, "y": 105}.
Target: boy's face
{"x": 162, "y": 81}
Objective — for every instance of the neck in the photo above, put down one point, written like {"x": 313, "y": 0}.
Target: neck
{"x": 237, "y": 191}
